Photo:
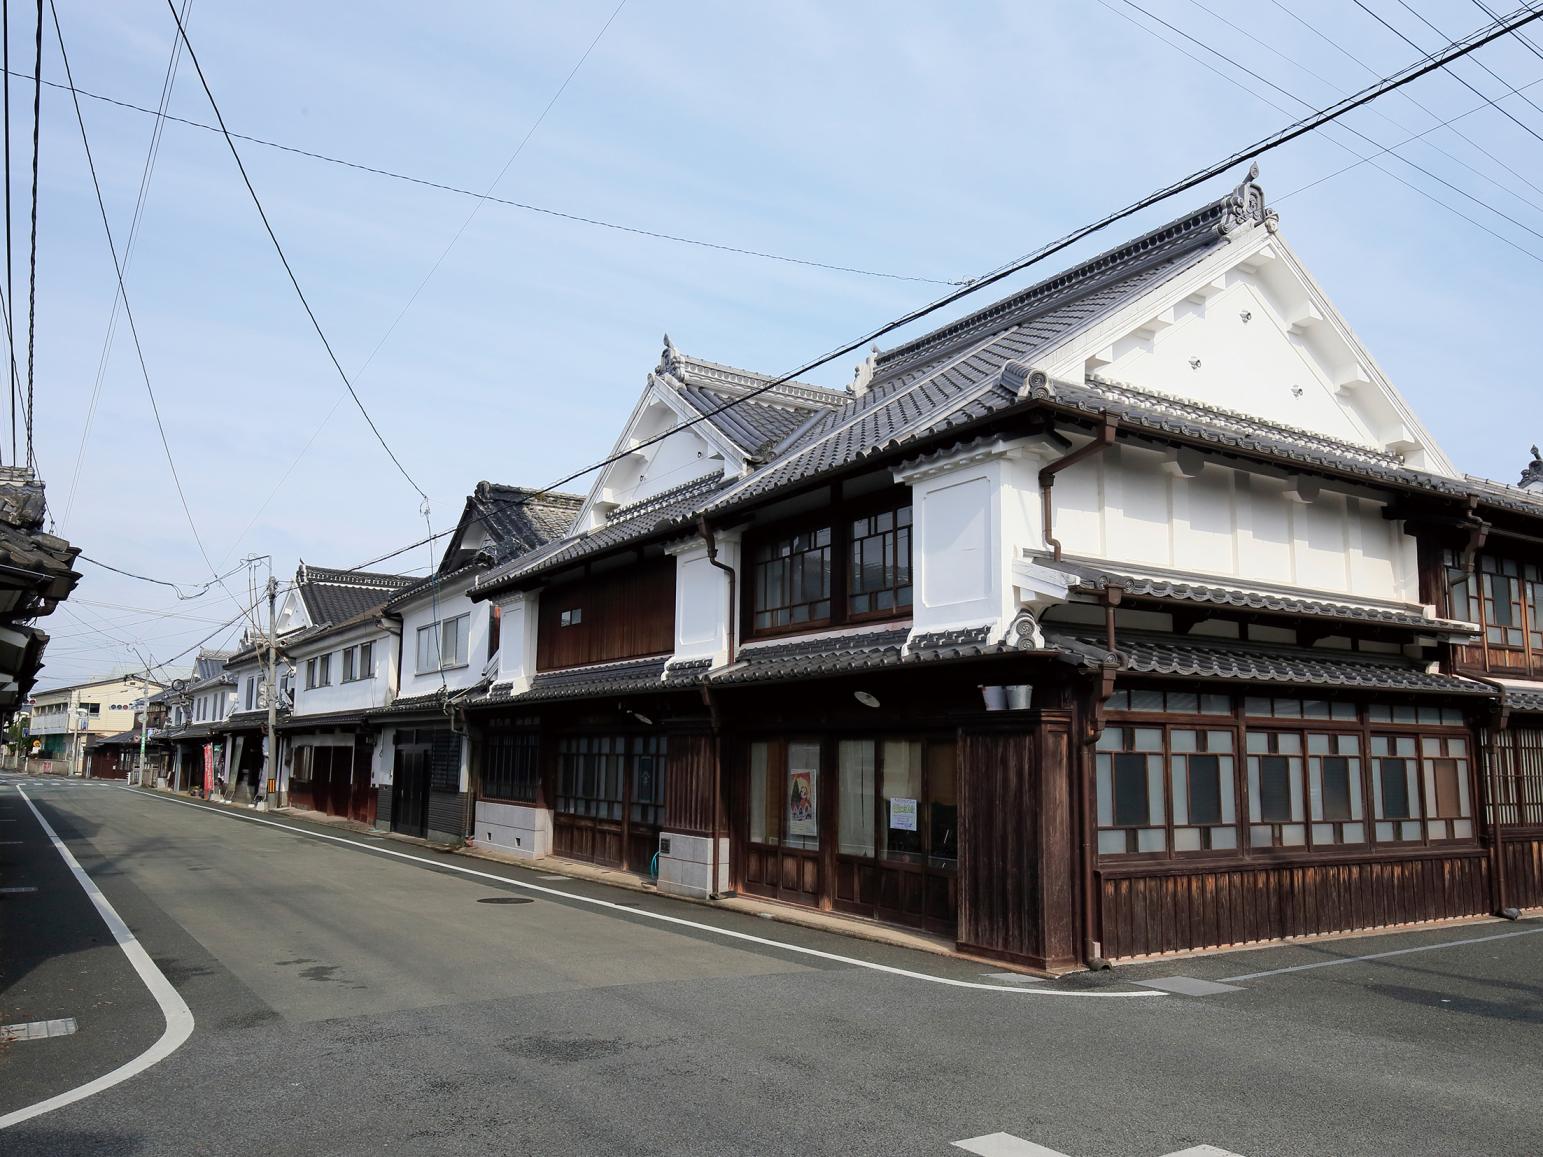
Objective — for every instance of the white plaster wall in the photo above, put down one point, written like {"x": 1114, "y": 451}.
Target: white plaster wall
{"x": 376, "y": 691}
{"x": 1130, "y": 505}
{"x": 701, "y": 598}
{"x": 517, "y": 638}
{"x": 518, "y": 829}
{"x": 447, "y": 604}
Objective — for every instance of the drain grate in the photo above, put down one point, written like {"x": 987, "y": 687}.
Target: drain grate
{"x": 505, "y": 900}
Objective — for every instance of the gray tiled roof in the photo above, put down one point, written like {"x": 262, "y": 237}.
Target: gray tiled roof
{"x": 821, "y": 655}
{"x": 628, "y": 677}
{"x": 433, "y": 702}
{"x": 331, "y": 596}
{"x": 1524, "y": 699}
{"x": 669, "y": 510}
{"x": 1165, "y": 589}
{"x": 322, "y": 719}
{"x": 1188, "y": 658}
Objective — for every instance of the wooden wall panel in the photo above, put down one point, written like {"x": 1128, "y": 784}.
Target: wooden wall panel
{"x": 1171, "y": 911}
{"x": 627, "y": 613}
{"x": 1524, "y": 872}
{"x": 688, "y": 784}
{"x": 998, "y": 845}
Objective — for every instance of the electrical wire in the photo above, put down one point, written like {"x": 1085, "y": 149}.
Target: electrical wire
{"x": 167, "y": 84}
{"x": 32, "y": 274}
{"x": 1520, "y": 36}
{"x": 1490, "y": 71}
{"x": 1347, "y": 127}
{"x": 10, "y": 289}
{"x": 272, "y": 236}
{"x": 128, "y": 313}
{"x": 175, "y": 587}
{"x": 1523, "y": 125}
{"x": 1317, "y": 119}
{"x": 1509, "y": 190}
{"x": 1409, "y": 97}
{"x": 524, "y": 206}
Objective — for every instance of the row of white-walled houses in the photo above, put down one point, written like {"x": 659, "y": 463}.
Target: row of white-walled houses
{"x": 1134, "y": 612}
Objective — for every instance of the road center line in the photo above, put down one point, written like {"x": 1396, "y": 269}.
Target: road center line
{"x": 179, "y": 1018}
{"x": 1381, "y": 955}
{"x": 623, "y": 909}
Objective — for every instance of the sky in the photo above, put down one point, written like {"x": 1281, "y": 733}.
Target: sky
{"x": 931, "y": 142}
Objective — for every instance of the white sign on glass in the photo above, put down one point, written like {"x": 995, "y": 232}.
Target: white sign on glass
{"x": 902, "y": 815}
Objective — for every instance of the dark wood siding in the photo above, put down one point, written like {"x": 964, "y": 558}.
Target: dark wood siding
{"x": 1169, "y": 911}
{"x": 447, "y": 816}
{"x": 1016, "y": 862}
{"x": 1524, "y": 871}
{"x": 626, "y": 613}
{"x": 688, "y": 784}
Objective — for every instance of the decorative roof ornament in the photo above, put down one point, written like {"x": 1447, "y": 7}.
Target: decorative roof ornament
{"x": 862, "y": 374}
{"x": 669, "y": 359}
{"x": 1532, "y": 476}
{"x": 1244, "y": 206}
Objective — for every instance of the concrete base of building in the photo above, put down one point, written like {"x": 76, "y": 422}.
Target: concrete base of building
{"x": 515, "y": 829}
{"x": 686, "y": 865}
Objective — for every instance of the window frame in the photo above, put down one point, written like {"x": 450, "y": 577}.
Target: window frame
{"x": 837, "y": 521}
{"x": 438, "y": 642}
{"x": 1364, "y": 727}
{"x": 1471, "y": 597}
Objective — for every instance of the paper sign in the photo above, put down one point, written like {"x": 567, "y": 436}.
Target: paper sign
{"x": 902, "y": 815}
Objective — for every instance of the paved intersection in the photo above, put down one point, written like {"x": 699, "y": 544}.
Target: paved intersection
{"x": 348, "y": 1001}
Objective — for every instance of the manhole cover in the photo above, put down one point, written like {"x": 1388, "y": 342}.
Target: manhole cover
{"x": 505, "y": 900}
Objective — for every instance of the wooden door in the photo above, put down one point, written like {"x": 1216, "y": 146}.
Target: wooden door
{"x": 780, "y": 825}
{"x": 410, "y": 791}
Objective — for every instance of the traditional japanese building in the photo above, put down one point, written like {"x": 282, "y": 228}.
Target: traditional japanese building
{"x": 1134, "y": 612}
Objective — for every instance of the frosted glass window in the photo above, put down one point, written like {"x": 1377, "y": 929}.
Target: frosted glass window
{"x": 758, "y": 756}
{"x": 855, "y": 807}
{"x": 801, "y": 817}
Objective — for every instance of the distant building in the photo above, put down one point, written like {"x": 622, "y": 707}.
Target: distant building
{"x": 65, "y": 720}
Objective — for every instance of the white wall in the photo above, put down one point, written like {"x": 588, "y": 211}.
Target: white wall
{"x": 1143, "y": 507}
{"x": 447, "y": 603}
{"x": 517, "y": 650}
{"x": 702, "y": 598}
{"x": 375, "y": 691}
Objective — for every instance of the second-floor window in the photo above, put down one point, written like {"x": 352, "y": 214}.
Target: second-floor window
{"x": 443, "y": 644}
{"x": 857, "y": 569}
{"x": 358, "y": 662}
{"x": 1505, "y": 597}
{"x": 251, "y": 692}
{"x": 318, "y": 672}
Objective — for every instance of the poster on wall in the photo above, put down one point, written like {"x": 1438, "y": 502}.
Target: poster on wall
{"x": 802, "y": 817}
{"x": 902, "y": 815}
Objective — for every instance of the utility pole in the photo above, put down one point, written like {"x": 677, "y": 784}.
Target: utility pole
{"x": 271, "y": 772}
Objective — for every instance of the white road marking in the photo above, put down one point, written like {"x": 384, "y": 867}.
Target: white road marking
{"x": 1014, "y": 977}
{"x": 1005, "y": 1145}
{"x": 554, "y": 877}
{"x": 15, "y": 890}
{"x": 1203, "y": 1151}
{"x": 1382, "y": 955}
{"x": 38, "y": 1029}
{"x": 9, "y": 843}
{"x": 644, "y": 913}
{"x": 179, "y": 1018}
{"x": 1188, "y": 985}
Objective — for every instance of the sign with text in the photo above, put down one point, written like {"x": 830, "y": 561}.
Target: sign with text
{"x": 902, "y": 815}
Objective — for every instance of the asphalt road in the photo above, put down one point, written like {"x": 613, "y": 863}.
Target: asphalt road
{"x": 348, "y": 1001}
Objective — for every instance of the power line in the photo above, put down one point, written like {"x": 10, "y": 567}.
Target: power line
{"x": 1347, "y": 127}
{"x": 1522, "y": 37}
{"x": 1354, "y": 59}
{"x": 10, "y": 289}
{"x": 1502, "y": 80}
{"x": 524, "y": 206}
{"x": 177, "y": 587}
{"x": 1523, "y": 125}
{"x": 128, "y": 313}
{"x": 1315, "y": 120}
{"x": 1509, "y": 190}
{"x": 128, "y": 256}
{"x": 481, "y": 200}
{"x": 32, "y": 275}
{"x": 272, "y": 236}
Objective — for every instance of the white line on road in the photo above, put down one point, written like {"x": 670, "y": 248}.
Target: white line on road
{"x": 1004, "y": 1145}
{"x": 630, "y": 910}
{"x": 179, "y": 1018}
{"x": 16, "y": 890}
{"x": 1381, "y": 955}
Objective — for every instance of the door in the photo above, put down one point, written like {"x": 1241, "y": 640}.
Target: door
{"x": 782, "y": 840}
{"x": 610, "y": 799}
{"x": 410, "y": 791}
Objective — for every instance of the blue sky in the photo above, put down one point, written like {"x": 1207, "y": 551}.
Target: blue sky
{"x": 926, "y": 140}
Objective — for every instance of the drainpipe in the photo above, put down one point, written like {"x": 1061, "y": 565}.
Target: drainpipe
{"x": 1092, "y": 950}
{"x": 729, "y": 632}
{"x": 712, "y": 557}
{"x": 1101, "y": 442}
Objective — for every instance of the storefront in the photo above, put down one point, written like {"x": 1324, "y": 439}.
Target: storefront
{"x": 609, "y": 803}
